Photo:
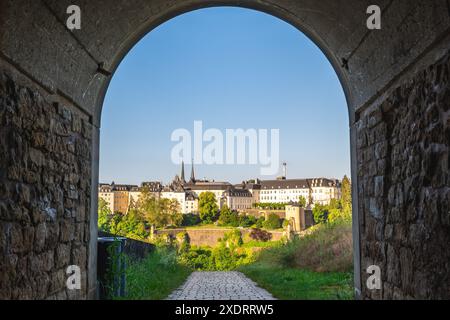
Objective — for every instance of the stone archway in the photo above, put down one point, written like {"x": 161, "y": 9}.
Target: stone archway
{"x": 52, "y": 84}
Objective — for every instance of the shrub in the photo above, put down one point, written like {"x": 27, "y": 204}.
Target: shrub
{"x": 232, "y": 239}
{"x": 259, "y": 222}
{"x": 328, "y": 248}
{"x": 228, "y": 217}
{"x": 246, "y": 221}
{"x": 320, "y": 213}
{"x": 183, "y": 242}
{"x": 260, "y": 235}
{"x": 272, "y": 222}
{"x": 190, "y": 219}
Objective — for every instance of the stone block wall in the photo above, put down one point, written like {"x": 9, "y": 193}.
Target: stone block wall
{"x": 404, "y": 187}
{"x": 210, "y": 237}
{"x": 45, "y": 163}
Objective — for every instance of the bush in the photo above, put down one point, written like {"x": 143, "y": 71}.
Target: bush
{"x": 320, "y": 213}
{"x": 228, "y": 217}
{"x": 328, "y": 248}
{"x": 260, "y": 235}
{"x": 259, "y": 222}
{"x": 246, "y": 221}
{"x": 272, "y": 222}
{"x": 232, "y": 239}
{"x": 190, "y": 219}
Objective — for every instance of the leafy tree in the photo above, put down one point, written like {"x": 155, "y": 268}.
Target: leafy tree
{"x": 232, "y": 239}
{"x": 228, "y": 217}
{"x": 159, "y": 212}
{"x": 115, "y": 224}
{"x": 246, "y": 221}
{"x": 173, "y": 211}
{"x": 183, "y": 241}
{"x": 272, "y": 222}
{"x": 346, "y": 196}
{"x": 259, "y": 222}
{"x": 320, "y": 213}
{"x": 207, "y": 206}
{"x": 302, "y": 201}
{"x": 104, "y": 215}
{"x": 190, "y": 219}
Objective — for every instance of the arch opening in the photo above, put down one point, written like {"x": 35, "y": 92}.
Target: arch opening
{"x": 149, "y": 28}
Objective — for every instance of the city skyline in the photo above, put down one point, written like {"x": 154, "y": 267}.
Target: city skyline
{"x": 265, "y": 74}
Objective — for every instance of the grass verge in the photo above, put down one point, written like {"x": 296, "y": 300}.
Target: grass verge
{"x": 316, "y": 266}
{"x": 297, "y": 284}
{"x": 155, "y": 277}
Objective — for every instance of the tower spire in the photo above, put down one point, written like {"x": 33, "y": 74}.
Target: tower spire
{"x": 192, "y": 172}
{"x": 182, "y": 172}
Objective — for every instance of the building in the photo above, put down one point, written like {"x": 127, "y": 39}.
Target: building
{"x": 238, "y": 199}
{"x": 299, "y": 218}
{"x": 315, "y": 191}
{"x": 118, "y": 196}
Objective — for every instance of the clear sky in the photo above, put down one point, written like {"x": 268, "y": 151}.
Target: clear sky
{"x": 230, "y": 68}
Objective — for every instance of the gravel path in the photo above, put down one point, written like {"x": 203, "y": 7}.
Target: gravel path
{"x": 219, "y": 285}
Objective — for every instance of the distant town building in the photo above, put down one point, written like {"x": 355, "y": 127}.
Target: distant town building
{"x": 239, "y": 197}
{"x": 117, "y": 196}
{"x": 315, "y": 191}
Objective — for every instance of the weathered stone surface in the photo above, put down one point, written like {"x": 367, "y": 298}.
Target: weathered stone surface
{"x": 48, "y": 74}
{"x": 36, "y": 237}
{"x": 409, "y": 193}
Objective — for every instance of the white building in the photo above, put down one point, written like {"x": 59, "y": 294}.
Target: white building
{"x": 238, "y": 199}
{"x": 317, "y": 191}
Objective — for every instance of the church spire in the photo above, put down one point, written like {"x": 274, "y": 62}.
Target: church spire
{"x": 182, "y": 172}
{"x": 192, "y": 172}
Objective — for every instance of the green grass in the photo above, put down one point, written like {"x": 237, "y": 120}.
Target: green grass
{"x": 260, "y": 244}
{"x": 297, "y": 284}
{"x": 155, "y": 277}
{"x": 315, "y": 266}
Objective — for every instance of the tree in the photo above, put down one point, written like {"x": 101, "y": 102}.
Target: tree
{"x": 246, "y": 221}
{"x": 228, "y": 217}
{"x": 174, "y": 213}
{"x": 272, "y": 222}
{"x": 132, "y": 225}
{"x": 259, "y": 222}
{"x": 207, "y": 206}
{"x": 302, "y": 201}
{"x": 346, "y": 196}
{"x": 320, "y": 213}
{"x": 159, "y": 212}
{"x": 104, "y": 215}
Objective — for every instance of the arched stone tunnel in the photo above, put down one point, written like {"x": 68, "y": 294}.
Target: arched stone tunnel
{"x": 52, "y": 84}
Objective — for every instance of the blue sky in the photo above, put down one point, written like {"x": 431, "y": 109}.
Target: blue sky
{"x": 230, "y": 68}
